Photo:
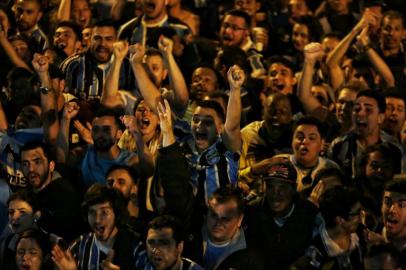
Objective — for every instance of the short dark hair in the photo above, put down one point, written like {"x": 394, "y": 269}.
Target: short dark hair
{"x": 214, "y": 105}
{"x": 99, "y": 193}
{"x": 337, "y": 202}
{"x": 393, "y": 15}
{"x": 228, "y": 193}
{"x": 284, "y": 60}
{"x": 167, "y": 221}
{"x": 313, "y": 121}
{"x": 394, "y": 93}
{"x": 232, "y": 55}
{"x": 398, "y": 186}
{"x": 380, "y": 100}
{"x": 313, "y": 27}
{"x": 328, "y": 172}
{"x": 105, "y": 23}
{"x": 113, "y": 112}
{"x": 130, "y": 170}
{"x": 75, "y": 28}
{"x": 31, "y": 145}
{"x": 241, "y": 14}
{"x": 27, "y": 196}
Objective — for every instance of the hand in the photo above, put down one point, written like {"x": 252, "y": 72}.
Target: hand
{"x": 236, "y": 77}
{"x": 130, "y": 122}
{"x": 107, "y": 263}
{"x": 165, "y": 44}
{"x": 120, "y": 49}
{"x": 84, "y": 132}
{"x": 70, "y": 110}
{"x": 63, "y": 259}
{"x": 40, "y": 63}
{"x": 313, "y": 52}
{"x": 137, "y": 52}
{"x": 363, "y": 38}
{"x": 260, "y": 37}
{"x": 165, "y": 117}
{"x": 369, "y": 18}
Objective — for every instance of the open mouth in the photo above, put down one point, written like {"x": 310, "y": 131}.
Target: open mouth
{"x": 279, "y": 86}
{"x": 201, "y": 136}
{"x": 361, "y": 123}
{"x": 25, "y": 266}
{"x": 303, "y": 150}
{"x": 99, "y": 230}
{"x": 145, "y": 122}
{"x": 149, "y": 7}
{"x": 61, "y": 45}
{"x": 391, "y": 222}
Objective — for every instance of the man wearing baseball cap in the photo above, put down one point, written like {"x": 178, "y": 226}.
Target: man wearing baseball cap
{"x": 281, "y": 226}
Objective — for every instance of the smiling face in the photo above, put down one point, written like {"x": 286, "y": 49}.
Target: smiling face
{"x": 223, "y": 220}
{"x": 102, "y": 221}
{"x": 101, "y": 45}
{"x": 162, "y": 249}
{"x": 394, "y": 214}
{"x": 36, "y": 167}
{"x": 300, "y": 36}
{"x": 394, "y": 115}
{"x": 281, "y": 79}
{"x": 206, "y": 127}
{"x": 307, "y": 144}
{"x": 27, "y": 14}
{"x": 66, "y": 39}
{"x": 366, "y": 116}
{"x": 233, "y": 31}
{"x": 204, "y": 81}
{"x": 20, "y": 215}
{"x": 28, "y": 255}
{"x": 81, "y": 13}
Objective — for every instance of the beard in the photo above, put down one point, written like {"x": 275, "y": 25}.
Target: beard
{"x": 103, "y": 145}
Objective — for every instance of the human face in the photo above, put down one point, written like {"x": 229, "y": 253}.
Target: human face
{"x": 223, "y": 220}
{"x": 394, "y": 214}
{"x": 101, "y": 45}
{"x": 351, "y": 224}
{"x": 307, "y": 144}
{"x": 345, "y": 105}
{"x": 86, "y": 37}
{"x": 29, "y": 117}
{"x": 162, "y": 250}
{"x": 206, "y": 126}
{"x": 147, "y": 120}
{"x": 178, "y": 46}
{"x": 320, "y": 92}
{"x": 277, "y": 113}
{"x": 394, "y": 115}
{"x": 28, "y": 254}
{"x": 233, "y": 31}
{"x": 249, "y": 6}
{"x": 366, "y": 116}
{"x": 27, "y": 14}
{"x": 378, "y": 169}
{"x": 66, "y": 39}
{"x": 21, "y": 47}
{"x": 20, "y": 215}
{"x": 121, "y": 180}
{"x": 154, "y": 10}
{"x": 281, "y": 79}
{"x": 204, "y": 81}
{"x": 300, "y": 36}
{"x": 392, "y": 33}
{"x": 329, "y": 44}
{"x": 339, "y": 6}
{"x": 156, "y": 66}
{"x": 81, "y": 13}
{"x": 105, "y": 133}
{"x": 298, "y": 9}
{"x": 4, "y": 22}
{"x": 279, "y": 195}
{"x": 36, "y": 167}
{"x": 102, "y": 221}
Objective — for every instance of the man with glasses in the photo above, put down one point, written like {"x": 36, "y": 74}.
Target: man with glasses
{"x": 337, "y": 245}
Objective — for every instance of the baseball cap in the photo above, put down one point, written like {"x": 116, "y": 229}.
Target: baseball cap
{"x": 283, "y": 171}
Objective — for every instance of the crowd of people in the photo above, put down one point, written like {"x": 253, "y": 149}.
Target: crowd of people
{"x": 204, "y": 134}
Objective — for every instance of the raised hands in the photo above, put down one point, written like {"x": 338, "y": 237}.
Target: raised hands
{"x": 236, "y": 77}
{"x": 70, "y": 110}
{"x": 40, "y": 63}
{"x": 165, "y": 120}
{"x": 363, "y": 38}
{"x": 85, "y": 132}
{"x": 165, "y": 44}
{"x": 63, "y": 259}
{"x": 130, "y": 122}
{"x": 313, "y": 52}
{"x": 120, "y": 50}
{"x": 137, "y": 52}
{"x": 369, "y": 18}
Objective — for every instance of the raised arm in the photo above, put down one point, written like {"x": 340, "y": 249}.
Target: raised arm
{"x": 110, "y": 96}
{"x": 232, "y": 135}
{"x": 117, "y": 9}
{"x": 70, "y": 110}
{"x": 11, "y": 53}
{"x": 176, "y": 78}
{"x": 64, "y": 10}
{"x": 378, "y": 63}
{"x": 335, "y": 57}
{"x": 313, "y": 52}
{"x": 3, "y": 119}
{"x": 148, "y": 90}
{"x": 48, "y": 99}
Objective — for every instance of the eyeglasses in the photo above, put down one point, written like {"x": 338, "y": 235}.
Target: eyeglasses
{"x": 233, "y": 27}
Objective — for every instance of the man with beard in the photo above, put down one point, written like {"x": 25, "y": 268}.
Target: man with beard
{"x": 85, "y": 74}
{"x": 95, "y": 160}
{"x": 59, "y": 202}
{"x": 368, "y": 116}
{"x": 67, "y": 39}
{"x": 266, "y": 138}
{"x": 108, "y": 243}
{"x": 27, "y": 14}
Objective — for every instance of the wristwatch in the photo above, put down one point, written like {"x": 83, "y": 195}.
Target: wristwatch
{"x": 44, "y": 90}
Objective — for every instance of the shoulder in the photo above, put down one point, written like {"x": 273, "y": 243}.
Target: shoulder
{"x": 125, "y": 29}
{"x": 71, "y": 62}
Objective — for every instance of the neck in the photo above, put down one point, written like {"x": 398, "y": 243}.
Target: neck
{"x": 154, "y": 20}
{"x": 177, "y": 265}
{"x": 46, "y": 183}
{"x": 110, "y": 241}
{"x": 133, "y": 209}
{"x": 340, "y": 237}
{"x": 369, "y": 140}
{"x": 388, "y": 51}
{"x": 148, "y": 137}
